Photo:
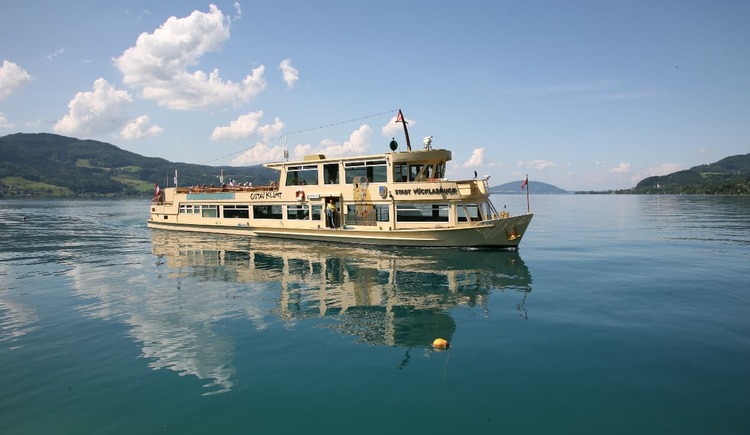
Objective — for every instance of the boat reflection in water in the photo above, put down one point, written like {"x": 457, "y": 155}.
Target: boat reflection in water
{"x": 395, "y": 297}
{"x": 392, "y": 297}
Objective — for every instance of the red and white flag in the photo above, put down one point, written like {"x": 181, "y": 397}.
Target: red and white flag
{"x": 156, "y": 190}
{"x": 525, "y": 182}
{"x": 400, "y": 116}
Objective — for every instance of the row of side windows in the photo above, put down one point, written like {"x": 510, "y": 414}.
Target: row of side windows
{"x": 356, "y": 214}
{"x": 374, "y": 170}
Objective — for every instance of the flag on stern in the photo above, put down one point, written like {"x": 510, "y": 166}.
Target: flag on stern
{"x": 525, "y": 182}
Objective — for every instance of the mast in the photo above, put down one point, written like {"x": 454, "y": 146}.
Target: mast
{"x": 400, "y": 118}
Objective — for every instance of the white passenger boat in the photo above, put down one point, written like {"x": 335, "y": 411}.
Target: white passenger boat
{"x": 398, "y": 198}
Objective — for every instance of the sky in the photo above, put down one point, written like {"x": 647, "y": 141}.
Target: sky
{"x": 584, "y": 95}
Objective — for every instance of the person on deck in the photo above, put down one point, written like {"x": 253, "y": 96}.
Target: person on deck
{"x": 331, "y": 214}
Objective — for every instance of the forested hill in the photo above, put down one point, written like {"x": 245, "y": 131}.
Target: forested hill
{"x": 44, "y": 164}
{"x": 730, "y": 176}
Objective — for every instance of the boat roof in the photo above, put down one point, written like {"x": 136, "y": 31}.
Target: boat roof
{"x": 397, "y": 156}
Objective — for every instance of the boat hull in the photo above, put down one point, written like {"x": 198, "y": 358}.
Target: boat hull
{"x": 503, "y": 233}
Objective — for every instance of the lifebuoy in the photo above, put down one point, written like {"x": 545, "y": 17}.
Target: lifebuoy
{"x": 300, "y": 195}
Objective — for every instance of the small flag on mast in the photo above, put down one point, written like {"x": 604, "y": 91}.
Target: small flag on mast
{"x": 525, "y": 182}
{"x": 400, "y": 116}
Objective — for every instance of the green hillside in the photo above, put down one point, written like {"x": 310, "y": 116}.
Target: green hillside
{"x": 729, "y": 176}
{"x": 50, "y": 165}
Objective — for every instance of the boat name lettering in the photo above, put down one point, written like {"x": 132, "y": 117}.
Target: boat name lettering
{"x": 432, "y": 191}
{"x": 265, "y": 195}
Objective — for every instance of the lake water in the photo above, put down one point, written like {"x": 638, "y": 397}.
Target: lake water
{"x": 618, "y": 315}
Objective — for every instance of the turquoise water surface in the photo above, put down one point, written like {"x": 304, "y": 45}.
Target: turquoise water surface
{"x": 618, "y": 315}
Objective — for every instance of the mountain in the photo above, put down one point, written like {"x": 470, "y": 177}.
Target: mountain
{"x": 730, "y": 175}
{"x": 535, "y": 187}
{"x": 43, "y": 164}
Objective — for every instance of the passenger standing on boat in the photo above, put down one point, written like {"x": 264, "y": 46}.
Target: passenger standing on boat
{"x": 331, "y": 214}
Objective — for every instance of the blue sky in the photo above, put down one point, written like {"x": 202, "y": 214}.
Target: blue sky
{"x": 585, "y": 95}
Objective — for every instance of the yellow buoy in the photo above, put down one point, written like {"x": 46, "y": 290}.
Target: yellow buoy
{"x": 440, "y": 343}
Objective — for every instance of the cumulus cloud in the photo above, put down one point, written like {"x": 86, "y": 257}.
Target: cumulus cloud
{"x": 392, "y": 128}
{"x": 260, "y": 153}
{"x": 12, "y": 77}
{"x": 622, "y": 168}
{"x": 140, "y": 128}
{"x": 290, "y": 73}
{"x": 237, "y": 11}
{"x": 103, "y": 110}
{"x": 159, "y": 64}
{"x": 4, "y": 123}
{"x": 241, "y": 128}
{"x": 246, "y": 126}
{"x": 358, "y": 143}
{"x": 539, "y": 165}
{"x": 476, "y": 159}
{"x": 269, "y": 131}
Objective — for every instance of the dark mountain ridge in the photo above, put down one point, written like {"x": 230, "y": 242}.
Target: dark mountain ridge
{"x": 43, "y": 164}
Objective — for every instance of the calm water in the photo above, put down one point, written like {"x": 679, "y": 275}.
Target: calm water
{"x": 619, "y": 315}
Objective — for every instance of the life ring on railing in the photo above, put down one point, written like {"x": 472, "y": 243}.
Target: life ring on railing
{"x": 300, "y": 195}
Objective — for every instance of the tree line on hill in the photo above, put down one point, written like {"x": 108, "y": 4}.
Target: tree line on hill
{"x": 51, "y": 165}
{"x": 728, "y": 176}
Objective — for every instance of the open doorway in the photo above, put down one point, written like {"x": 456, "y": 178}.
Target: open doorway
{"x": 333, "y": 211}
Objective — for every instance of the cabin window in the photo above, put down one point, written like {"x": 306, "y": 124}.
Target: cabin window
{"x": 302, "y": 175}
{"x": 236, "y": 212}
{"x": 317, "y": 211}
{"x": 209, "y": 211}
{"x": 374, "y": 170}
{"x": 297, "y": 212}
{"x": 267, "y": 212}
{"x": 189, "y": 208}
{"x": 418, "y": 212}
{"x": 403, "y": 172}
{"x": 400, "y": 173}
{"x": 468, "y": 212}
{"x": 439, "y": 170}
{"x": 331, "y": 173}
{"x": 381, "y": 213}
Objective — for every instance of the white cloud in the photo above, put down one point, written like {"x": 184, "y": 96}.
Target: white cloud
{"x": 12, "y": 77}
{"x": 4, "y": 123}
{"x": 102, "y": 111}
{"x": 290, "y": 73}
{"x": 248, "y": 125}
{"x": 622, "y": 168}
{"x": 56, "y": 53}
{"x": 476, "y": 159}
{"x": 159, "y": 64}
{"x": 238, "y": 11}
{"x": 269, "y": 131}
{"x": 539, "y": 165}
{"x": 393, "y": 128}
{"x": 358, "y": 143}
{"x": 241, "y": 128}
{"x": 140, "y": 128}
{"x": 260, "y": 153}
